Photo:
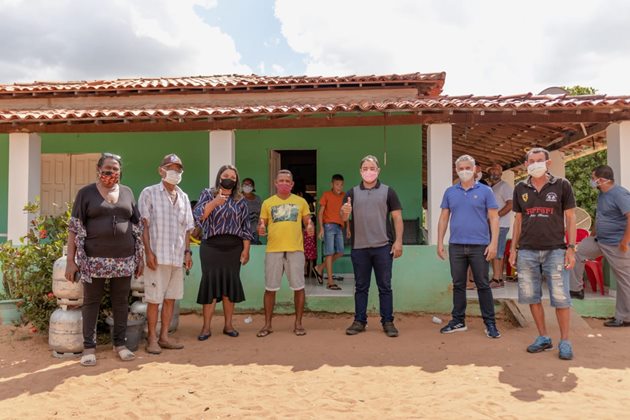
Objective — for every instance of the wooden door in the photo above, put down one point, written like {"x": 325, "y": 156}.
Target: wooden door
{"x": 55, "y": 188}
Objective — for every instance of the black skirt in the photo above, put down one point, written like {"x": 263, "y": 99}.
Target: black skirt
{"x": 221, "y": 269}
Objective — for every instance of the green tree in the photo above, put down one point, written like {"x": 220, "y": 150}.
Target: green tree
{"x": 580, "y": 90}
{"x": 578, "y": 172}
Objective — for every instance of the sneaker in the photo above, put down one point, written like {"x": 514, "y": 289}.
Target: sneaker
{"x": 565, "y": 350}
{"x": 577, "y": 295}
{"x": 616, "y": 323}
{"x": 492, "y": 331}
{"x": 540, "y": 344}
{"x": 453, "y": 326}
{"x": 390, "y": 329}
{"x": 356, "y": 328}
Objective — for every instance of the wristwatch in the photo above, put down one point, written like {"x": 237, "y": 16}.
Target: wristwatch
{"x": 572, "y": 246}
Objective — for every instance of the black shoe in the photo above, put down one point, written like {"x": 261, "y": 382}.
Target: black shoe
{"x": 453, "y": 327}
{"x": 356, "y": 328}
{"x": 232, "y": 333}
{"x": 577, "y": 295}
{"x": 616, "y": 323}
{"x": 492, "y": 331}
{"x": 390, "y": 329}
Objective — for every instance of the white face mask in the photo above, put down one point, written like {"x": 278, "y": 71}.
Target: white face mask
{"x": 173, "y": 177}
{"x": 465, "y": 175}
{"x": 537, "y": 169}
{"x": 247, "y": 189}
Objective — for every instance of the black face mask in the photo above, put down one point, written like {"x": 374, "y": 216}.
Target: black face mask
{"x": 227, "y": 183}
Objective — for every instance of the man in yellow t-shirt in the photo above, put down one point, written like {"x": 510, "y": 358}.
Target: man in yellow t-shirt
{"x": 284, "y": 214}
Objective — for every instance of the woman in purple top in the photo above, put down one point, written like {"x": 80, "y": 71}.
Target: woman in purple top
{"x": 224, "y": 219}
{"x": 105, "y": 240}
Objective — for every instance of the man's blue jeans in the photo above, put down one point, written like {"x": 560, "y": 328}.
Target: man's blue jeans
{"x": 461, "y": 257}
{"x": 363, "y": 261}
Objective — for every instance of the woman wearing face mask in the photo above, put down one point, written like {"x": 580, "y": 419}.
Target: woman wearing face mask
{"x": 254, "y": 203}
{"x": 223, "y": 216}
{"x": 105, "y": 239}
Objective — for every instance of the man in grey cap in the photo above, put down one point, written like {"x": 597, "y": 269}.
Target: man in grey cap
{"x": 168, "y": 222}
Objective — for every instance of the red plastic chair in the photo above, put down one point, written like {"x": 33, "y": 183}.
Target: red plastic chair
{"x": 509, "y": 270}
{"x": 594, "y": 270}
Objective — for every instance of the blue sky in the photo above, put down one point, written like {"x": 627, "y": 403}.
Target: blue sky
{"x": 485, "y": 46}
{"x": 256, "y": 33}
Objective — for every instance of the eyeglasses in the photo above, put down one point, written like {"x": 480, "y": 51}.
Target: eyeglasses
{"x": 111, "y": 155}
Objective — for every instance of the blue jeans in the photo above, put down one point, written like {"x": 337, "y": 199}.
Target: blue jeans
{"x": 461, "y": 257}
{"x": 333, "y": 239}
{"x": 533, "y": 266}
{"x": 363, "y": 261}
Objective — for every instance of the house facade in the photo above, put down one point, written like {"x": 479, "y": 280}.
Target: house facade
{"x": 52, "y": 133}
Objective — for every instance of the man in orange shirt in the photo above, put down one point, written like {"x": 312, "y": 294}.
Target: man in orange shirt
{"x": 331, "y": 230}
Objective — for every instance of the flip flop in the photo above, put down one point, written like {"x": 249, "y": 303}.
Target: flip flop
{"x": 124, "y": 353}
{"x": 88, "y": 359}
{"x": 232, "y": 333}
{"x": 337, "y": 278}
{"x": 204, "y": 337}
{"x": 299, "y": 332}
{"x": 320, "y": 278}
{"x": 333, "y": 287}
{"x": 264, "y": 332}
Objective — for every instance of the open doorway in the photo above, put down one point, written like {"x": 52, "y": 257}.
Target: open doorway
{"x": 303, "y": 166}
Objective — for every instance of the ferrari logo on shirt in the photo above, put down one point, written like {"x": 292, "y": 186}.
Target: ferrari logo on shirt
{"x": 524, "y": 197}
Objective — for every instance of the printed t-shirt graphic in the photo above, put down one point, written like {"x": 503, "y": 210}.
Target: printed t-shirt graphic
{"x": 284, "y": 218}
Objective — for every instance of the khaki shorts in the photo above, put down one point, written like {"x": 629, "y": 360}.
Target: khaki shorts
{"x": 291, "y": 263}
{"x": 166, "y": 282}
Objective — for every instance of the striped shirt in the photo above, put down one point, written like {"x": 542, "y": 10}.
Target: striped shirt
{"x": 231, "y": 218}
{"x": 168, "y": 222}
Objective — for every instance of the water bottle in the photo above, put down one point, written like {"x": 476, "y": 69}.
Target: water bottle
{"x": 248, "y": 319}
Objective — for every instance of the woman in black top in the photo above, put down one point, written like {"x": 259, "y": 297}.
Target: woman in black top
{"x": 104, "y": 238}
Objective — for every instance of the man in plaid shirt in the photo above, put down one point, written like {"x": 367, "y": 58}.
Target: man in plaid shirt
{"x": 168, "y": 222}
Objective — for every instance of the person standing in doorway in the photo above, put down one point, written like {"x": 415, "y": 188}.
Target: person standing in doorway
{"x": 472, "y": 210}
{"x": 544, "y": 214}
{"x": 168, "y": 222}
{"x": 331, "y": 230}
{"x": 370, "y": 205}
{"x": 503, "y": 194}
{"x": 283, "y": 216}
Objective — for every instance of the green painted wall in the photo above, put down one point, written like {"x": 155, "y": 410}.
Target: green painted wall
{"x": 141, "y": 154}
{"x": 4, "y": 184}
{"x": 339, "y": 150}
{"x": 415, "y": 289}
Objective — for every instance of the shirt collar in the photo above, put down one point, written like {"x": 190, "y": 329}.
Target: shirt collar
{"x": 475, "y": 185}
{"x": 163, "y": 188}
{"x": 552, "y": 180}
{"x": 378, "y": 184}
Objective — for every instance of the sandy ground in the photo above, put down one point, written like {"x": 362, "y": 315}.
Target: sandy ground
{"x": 325, "y": 374}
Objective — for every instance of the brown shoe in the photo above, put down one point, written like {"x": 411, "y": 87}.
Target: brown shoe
{"x": 171, "y": 345}
{"x": 494, "y": 283}
{"x": 153, "y": 348}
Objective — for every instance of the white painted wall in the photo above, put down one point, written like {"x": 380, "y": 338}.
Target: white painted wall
{"x": 24, "y": 180}
{"x": 222, "y": 151}
{"x": 439, "y": 173}
{"x": 557, "y": 164}
{"x": 618, "y": 139}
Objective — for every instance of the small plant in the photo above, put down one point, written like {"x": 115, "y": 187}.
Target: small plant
{"x": 27, "y": 268}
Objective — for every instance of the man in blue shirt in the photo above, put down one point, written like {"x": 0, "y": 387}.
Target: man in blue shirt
{"x": 610, "y": 238}
{"x": 473, "y": 213}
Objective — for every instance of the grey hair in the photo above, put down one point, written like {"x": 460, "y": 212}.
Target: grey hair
{"x": 370, "y": 158}
{"x": 465, "y": 158}
{"x": 284, "y": 172}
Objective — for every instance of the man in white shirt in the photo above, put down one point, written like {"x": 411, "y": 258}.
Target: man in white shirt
{"x": 168, "y": 222}
{"x": 503, "y": 194}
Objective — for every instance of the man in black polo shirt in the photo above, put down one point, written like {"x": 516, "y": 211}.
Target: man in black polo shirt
{"x": 543, "y": 205}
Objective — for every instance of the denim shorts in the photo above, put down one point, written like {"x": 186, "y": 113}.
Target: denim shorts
{"x": 535, "y": 265}
{"x": 333, "y": 239}
{"x": 502, "y": 241}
